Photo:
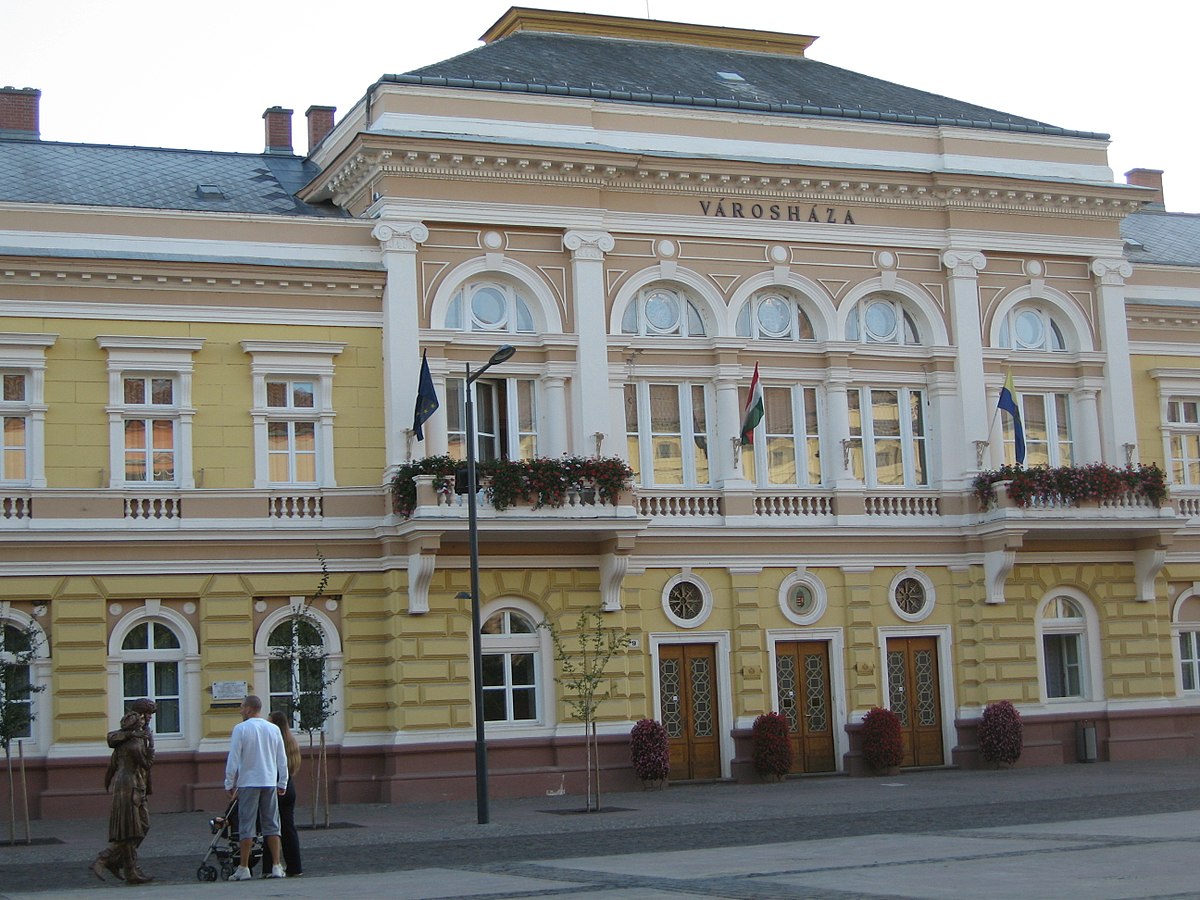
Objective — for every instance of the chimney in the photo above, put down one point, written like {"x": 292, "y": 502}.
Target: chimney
{"x": 320, "y": 123}
{"x": 1149, "y": 178}
{"x": 279, "y": 130}
{"x": 19, "y": 113}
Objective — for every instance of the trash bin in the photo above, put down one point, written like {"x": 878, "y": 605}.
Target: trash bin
{"x": 1085, "y": 741}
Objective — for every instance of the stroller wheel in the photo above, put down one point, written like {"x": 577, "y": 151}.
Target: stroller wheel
{"x": 206, "y": 873}
{"x": 227, "y": 868}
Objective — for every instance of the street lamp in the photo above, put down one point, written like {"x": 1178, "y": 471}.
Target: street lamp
{"x": 481, "y": 789}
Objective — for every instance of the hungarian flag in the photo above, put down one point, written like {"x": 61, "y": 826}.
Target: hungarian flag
{"x": 427, "y": 401}
{"x": 1008, "y": 404}
{"x": 754, "y": 409}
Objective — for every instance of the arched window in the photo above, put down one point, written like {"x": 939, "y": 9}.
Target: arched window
{"x": 1186, "y": 626}
{"x": 492, "y": 306}
{"x": 1028, "y": 327}
{"x": 511, "y": 662}
{"x": 881, "y": 319}
{"x": 659, "y": 310}
{"x": 152, "y": 666}
{"x": 1067, "y": 641}
{"x": 774, "y": 315}
{"x": 297, "y": 672}
{"x": 17, "y": 650}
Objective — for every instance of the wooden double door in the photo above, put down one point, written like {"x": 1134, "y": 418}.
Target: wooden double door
{"x": 915, "y": 696}
{"x": 687, "y": 689}
{"x": 804, "y": 698}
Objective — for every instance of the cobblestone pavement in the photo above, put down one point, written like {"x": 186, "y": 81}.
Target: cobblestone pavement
{"x": 1116, "y": 829}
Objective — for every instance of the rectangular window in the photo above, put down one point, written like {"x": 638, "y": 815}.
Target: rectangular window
{"x": 790, "y": 441}
{"x": 1064, "y": 672}
{"x": 888, "y": 436}
{"x": 149, "y": 429}
{"x": 1047, "y": 422}
{"x": 1183, "y": 433}
{"x": 1189, "y": 659}
{"x": 291, "y": 431}
{"x": 14, "y": 438}
{"x": 505, "y": 418}
{"x": 668, "y": 430}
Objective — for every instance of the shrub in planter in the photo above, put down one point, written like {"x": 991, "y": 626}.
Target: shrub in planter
{"x": 650, "y": 751}
{"x": 1000, "y": 733}
{"x": 882, "y": 744}
{"x": 772, "y": 749}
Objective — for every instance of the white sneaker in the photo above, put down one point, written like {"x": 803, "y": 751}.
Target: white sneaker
{"x": 241, "y": 873}
{"x": 276, "y": 872}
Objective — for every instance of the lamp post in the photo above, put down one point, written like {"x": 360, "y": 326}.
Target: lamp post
{"x": 481, "y": 774}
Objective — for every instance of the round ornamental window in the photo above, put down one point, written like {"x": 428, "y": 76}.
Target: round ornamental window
{"x": 910, "y": 596}
{"x": 662, "y": 311}
{"x": 685, "y": 601}
{"x": 774, "y": 317}
{"x": 802, "y": 601}
{"x": 1031, "y": 330}
{"x": 489, "y": 307}
{"x": 880, "y": 320}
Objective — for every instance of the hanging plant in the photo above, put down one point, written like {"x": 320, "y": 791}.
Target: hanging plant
{"x": 882, "y": 743}
{"x": 651, "y": 752}
{"x": 772, "y": 749}
{"x": 1001, "y": 735}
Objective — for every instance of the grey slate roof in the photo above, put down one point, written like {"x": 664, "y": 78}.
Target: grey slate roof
{"x": 682, "y": 75}
{"x": 153, "y": 178}
{"x": 1156, "y": 237}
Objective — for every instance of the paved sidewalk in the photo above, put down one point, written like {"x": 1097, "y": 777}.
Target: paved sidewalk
{"x": 1103, "y": 830}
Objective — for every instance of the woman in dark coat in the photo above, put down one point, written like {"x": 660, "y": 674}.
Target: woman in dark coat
{"x": 288, "y": 836}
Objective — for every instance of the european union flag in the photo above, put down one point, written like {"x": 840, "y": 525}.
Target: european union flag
{"x": 1008, "y": 404}
{"x": 427, "y": 401}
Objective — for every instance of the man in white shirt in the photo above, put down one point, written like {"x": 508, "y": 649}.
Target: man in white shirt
{"x": 257, "y": 774}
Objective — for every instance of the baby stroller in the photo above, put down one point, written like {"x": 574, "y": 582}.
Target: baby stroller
{"x": 225, "y": 847}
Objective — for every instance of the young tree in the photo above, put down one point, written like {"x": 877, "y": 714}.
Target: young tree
{"x": 300, "y": 664}
{"x": 582, "y": 666}
{"x": 18, "y": 649}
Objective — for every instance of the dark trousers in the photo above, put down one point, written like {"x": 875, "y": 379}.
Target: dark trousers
{"x": 288, "y": 835}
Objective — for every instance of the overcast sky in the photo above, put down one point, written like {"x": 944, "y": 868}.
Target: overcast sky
{"x": 199, "y": 75}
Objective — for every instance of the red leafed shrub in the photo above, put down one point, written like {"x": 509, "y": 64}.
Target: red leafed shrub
{"x": 650, "y": 751}
{"x": 1000, "y": 733}
{"x": 772, "y": 749}
{"x": 882, "y": 745}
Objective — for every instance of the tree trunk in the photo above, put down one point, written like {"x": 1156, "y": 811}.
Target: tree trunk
{"x": 596, "y": 747}
{"x": 315, "y": 779}
{"x": 12, "y": 797}
{"x": 325, "y": 775}
{"x": 24, "y": 791}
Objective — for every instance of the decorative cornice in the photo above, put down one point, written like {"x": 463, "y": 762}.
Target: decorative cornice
{"x": 82, "y": 273}
{"x": 626, "y": 172}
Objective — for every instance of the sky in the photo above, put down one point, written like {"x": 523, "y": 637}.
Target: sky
{"x": 200, "y": 75}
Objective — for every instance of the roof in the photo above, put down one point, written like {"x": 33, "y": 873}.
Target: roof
{"x": 674, "y": 74}
{"x": 153, "y": 178}
{"x": 1157, "y": 237}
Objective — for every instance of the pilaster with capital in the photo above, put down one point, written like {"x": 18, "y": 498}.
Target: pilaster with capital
{"x": 729, "y": 426}
{"x": 964, "y": 267}
{"x": 591, "y": 393}
{"x": 1116, "y": 399}
{"x": 398, "y": 242}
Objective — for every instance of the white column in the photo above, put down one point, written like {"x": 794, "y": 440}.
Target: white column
{"x": 1117, "y": 425}
{"x": 971, "y": 410}
{"x": 401, "y": 335}
{"x": 552, "y": 435}
{"x": 591, "y": 391}
{"x": 946, "y": 459}
{"x": 728, "y": 427}
{"x": 1086, "y": 428}
{"x": 837, "y": 429}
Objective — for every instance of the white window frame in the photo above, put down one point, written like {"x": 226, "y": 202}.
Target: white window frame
{"x": 908, "y": 441}
{"x": 41, "y": 729}
{"x": 293, "y": 361}
{"x": 510, "y": 428}
{"x": 1090, "y": 663}
{"x": 334, "y": 661}
{"x": 187, "y": 656}
{"x": 1051, "y": 329}
{"x": 801, "y": 396}
{"x": 1191, "y": 627}
{"x": 1182, "y": 385}
{"x": 858, "y": 332}
{"x": 150, "y": 357}
{"x": 541, "y": 646}
{"x": 749, "y": 325}
{"x": 1054, "y": 447}
{"x": 460, "y": 309}
{"x": 930, "y": 595}
{"x": 819, "y": 593}
{"x": 688, "y": 309}
{"x": 706, "y": 598}
{"x": 25, "y": 354}
{"x": 644, "y": 464}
